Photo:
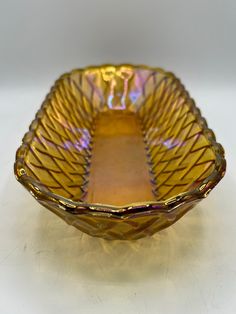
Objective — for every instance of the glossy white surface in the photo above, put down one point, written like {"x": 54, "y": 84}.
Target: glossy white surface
{"x": 48, "y": 267}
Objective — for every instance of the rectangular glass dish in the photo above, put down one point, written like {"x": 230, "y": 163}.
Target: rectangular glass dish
{"x": 120, "y": 151}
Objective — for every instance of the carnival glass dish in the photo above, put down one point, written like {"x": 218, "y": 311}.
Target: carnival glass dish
{"x": 119, "y": 151}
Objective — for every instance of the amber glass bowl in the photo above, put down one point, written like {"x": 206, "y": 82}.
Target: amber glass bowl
{"x": 119, "y": 151}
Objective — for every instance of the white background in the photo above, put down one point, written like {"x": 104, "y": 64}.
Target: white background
{"x": 49, "y": 267}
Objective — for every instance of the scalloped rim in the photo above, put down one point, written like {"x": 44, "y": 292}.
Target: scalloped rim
{"x": 41, "y": 193}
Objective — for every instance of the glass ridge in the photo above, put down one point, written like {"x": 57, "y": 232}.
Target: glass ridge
{"x": 56, "y": 159}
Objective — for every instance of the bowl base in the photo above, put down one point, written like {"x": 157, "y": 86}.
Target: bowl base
{"x": 119, "y": 171}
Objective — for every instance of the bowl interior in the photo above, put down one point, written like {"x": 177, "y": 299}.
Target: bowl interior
{"x": 119, "y": 135}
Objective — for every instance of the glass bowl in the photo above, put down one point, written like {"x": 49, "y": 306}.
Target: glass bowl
{"x": 119, "y": 151}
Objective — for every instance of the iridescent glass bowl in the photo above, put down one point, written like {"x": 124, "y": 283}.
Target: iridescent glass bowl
{"x": 119, "y": 151}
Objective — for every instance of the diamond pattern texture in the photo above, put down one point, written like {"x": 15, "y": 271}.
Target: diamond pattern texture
{"x": 185, "y": 161}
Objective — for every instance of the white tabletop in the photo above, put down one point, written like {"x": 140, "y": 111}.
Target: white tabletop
{"x": 47, "y": 266}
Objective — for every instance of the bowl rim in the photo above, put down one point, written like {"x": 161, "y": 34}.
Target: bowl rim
{"x": 41, "y": 193}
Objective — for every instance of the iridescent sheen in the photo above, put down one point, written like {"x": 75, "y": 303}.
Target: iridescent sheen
{"x": 120, "y": 152}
